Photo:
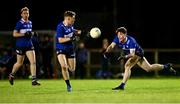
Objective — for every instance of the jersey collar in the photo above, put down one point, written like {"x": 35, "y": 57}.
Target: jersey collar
{"x": 24, "y": 20}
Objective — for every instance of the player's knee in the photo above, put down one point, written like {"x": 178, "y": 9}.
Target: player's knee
{"x": 19, "y": 64}
{"x": 33, "y": 63}
{"x": 148, "y": 69}
{"x": 127, "y": 66}
{"x": 72, "y": 69}
{"x": 64, "y": 67}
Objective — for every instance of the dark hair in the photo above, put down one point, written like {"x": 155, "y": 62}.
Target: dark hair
{"x": 69, "y": 14}
{"x": 24, "y": 9}
{"x": 121, "y": 29}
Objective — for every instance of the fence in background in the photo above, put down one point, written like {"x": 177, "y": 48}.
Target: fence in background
{"x": 94, "y": 62}
{"x": 161, "y": 56}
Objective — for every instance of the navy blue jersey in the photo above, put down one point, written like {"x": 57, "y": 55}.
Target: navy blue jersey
{"x": 64, "y": 32}
{"x": 129, "y": 44}
{"x": 23, "y": 27}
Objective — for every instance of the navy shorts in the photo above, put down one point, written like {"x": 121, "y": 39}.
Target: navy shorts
{"x": 140, "y": 54}
{"x": 70, "y": 53}
{"x": 23, "y": 50}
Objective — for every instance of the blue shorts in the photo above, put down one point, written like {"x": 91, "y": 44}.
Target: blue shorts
{"x": 70, "y": 53}
{"x": 23, "y": 50}
{"x": 140, "y": 55}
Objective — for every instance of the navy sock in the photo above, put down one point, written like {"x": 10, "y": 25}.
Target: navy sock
{"x": 67, "y": 82}
{"x": 122, "y": 85}
{"x": 165, "y": 67}
{"x": 34, "y": 78}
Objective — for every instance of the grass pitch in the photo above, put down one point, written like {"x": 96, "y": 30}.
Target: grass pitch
{"x": 158, "y": 90}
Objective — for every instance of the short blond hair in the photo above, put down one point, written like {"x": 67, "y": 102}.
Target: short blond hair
{"x": 24, "y": 9}
{"x": 69, "y": 14}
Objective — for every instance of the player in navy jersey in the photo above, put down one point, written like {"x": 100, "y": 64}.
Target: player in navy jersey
{"x": 65, "y": 47}
{"x": 24, "y": 46}
{"x": 134, "y": 54}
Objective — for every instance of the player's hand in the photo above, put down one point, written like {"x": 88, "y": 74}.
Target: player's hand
{"x": 73, "y": 38}
{"x": 79, "y": 32}
{"x": 121, "y": 57}
{"x": 28, "y": 34}
{"x": 35, "y": 34}
{"x": 106, "y": 55}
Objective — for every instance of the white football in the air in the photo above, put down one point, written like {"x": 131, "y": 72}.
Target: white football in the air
{"x": 95, "y": 32}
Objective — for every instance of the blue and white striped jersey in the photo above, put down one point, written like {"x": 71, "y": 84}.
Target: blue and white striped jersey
{"x": 64, "y": 32}
{"x": 23, "y": 27}
{"x": 129, "y": 44}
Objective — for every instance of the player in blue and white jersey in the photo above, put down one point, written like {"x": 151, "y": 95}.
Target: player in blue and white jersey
{"x": 24, "y": 46}
{"x": 64, "y": 46}
{"x": 134, "y": 54}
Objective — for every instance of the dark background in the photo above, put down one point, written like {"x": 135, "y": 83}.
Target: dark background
{"x": 154, "y": 24}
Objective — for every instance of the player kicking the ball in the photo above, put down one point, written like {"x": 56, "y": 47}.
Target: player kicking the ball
{"x": 134, "y": 54}
{"x": 65, "y": 47}
{"x": 24, "y": 46}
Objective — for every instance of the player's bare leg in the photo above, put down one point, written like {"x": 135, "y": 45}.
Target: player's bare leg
{"x": 72, "y": 65}
{"x": 128, "y": 65}
{"x": 144, "y": 64}
{"x": 64, "y": 67}
{"x": 32, "y": 60}
{"x": 17, "y": 65}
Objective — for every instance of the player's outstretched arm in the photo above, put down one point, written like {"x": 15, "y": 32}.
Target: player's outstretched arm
{"x": 106, "y": 54}
{"x": 64, "y": 40}
{"x": 110, "y": 47}
{"x": 17, "y": 34}
{"x": 132, "y": 54}
{"x": 77, "y": 32}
